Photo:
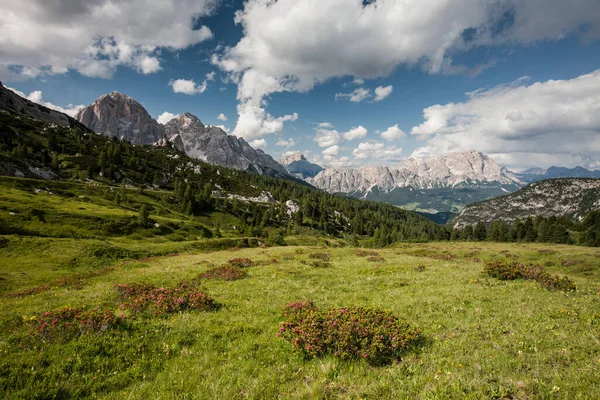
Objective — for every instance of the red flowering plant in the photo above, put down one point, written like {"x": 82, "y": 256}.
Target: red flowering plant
{"x": 67, "y": 322}
{"x": 372, "y": 334}
{"x": 140, "y": 297}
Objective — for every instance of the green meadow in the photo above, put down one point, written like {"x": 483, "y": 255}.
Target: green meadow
{"x": 481, "y": 337}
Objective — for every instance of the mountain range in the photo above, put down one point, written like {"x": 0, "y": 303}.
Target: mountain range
{"x": 439, "y": 184}
{"x": 538, "y": 174}
{"x": 118, "y": 115}
{"x": 297, "y": 165}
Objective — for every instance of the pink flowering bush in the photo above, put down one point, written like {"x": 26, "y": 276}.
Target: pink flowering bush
{"x": 514, "y": 270}
{"x": 183, "y": 297}
{"x": 69, "y": 321}
{"x": 224, "y": 273}
{"x": 372, "y": 334}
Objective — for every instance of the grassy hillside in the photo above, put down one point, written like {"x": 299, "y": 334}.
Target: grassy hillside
{"x": 482, "y": 338}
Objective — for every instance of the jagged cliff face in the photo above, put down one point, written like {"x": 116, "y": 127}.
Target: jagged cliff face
{"x": 297, "y": 165}
{"x": 573, "y": 197}
{"x": 116, "y": 114}
{"x": 213, "y": 145}
{"x": 458, "y": 169}
{"x": 12, "y": 101}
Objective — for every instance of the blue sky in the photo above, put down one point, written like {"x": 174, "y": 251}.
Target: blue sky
{"x": 517, "y": 81}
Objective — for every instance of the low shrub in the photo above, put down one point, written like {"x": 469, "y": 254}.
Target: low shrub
{"x": 372, "y": 334}
{"x": 241, "y": 262}
{"x": 514, "y": 270}
{"x": 224, "y": 273}
{"x": 320, "y": 264}
{"x": 375, "y": 259}
{"x": 420, "y": 268}
{"x": 320, "y": 256}
{"x": 183, "y": 297}
{"x": 366, "y": 253}
{"x": 68, "y": 322}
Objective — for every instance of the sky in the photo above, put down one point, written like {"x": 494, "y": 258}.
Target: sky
{"x": 345, "y": 82}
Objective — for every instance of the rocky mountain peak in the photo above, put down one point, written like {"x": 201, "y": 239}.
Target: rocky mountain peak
{"x": 116, "y": 114}
{"x": 297, "y": 165}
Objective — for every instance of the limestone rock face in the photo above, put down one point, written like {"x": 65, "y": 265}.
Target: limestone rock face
{"x": 468, "y": 167}
{"x": 297, "y": 165}
{"x": 213, "y": 145}
{"x": 116, "y": 114}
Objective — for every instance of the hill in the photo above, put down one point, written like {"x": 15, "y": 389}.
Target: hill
{"x": 571, "y": 197}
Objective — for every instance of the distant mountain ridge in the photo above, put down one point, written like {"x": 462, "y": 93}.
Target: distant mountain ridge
{"x": 118, "y": 115}
{"x": 439, "y": 184}
{"x": 538, "y": 174}
{"x": 297, "y": 165}
{"x": 572, "y": 197}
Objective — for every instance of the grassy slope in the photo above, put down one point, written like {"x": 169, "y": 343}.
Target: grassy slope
{"x": 483, "y": 339}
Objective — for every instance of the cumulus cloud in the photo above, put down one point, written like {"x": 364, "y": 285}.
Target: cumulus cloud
{"x": 392, "y": 133}
{"x": 166, "y": 117}
{"x": 382, "y": 92}
{"x": 327, "y": 137}
{"x": 40, "y": 37}
{"x": 355, "y": 133}
{"x": 326, "y": 125}
{"x": 358, "y": 95}
{"x": 332, "y": 151}
{"x": 377, "y": 151}
{"x": 370, "y": 39}
{"x": 544, "y": 123}
{"x": 286, "y": 143}
{"x": 259, "y": 143}
{"x": 222, "y": 117}
{"x": 36, "y": 97}
{"x": 223, "y": 128}
{"x": 188, "y": 87}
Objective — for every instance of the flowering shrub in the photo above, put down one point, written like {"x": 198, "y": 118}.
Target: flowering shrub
{"x": 164, "y": 300}
{"x": 515, "y": 270}
{"x": 224, "y": 273}
{"x": 375, "y": 259}
{"x": 365, "y": 253}
{"x": 69, "y": 321}
{"x": 347, "y": 333}
{"x": 320, "y": 256}
{"x": 241, "y": 262}
{"x": 320, "y": 264}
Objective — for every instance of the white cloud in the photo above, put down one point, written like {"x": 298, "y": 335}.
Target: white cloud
{"x": 166, "y": 117}
{"x": 382, "y": 92}
{"x": 222, "y": 117}
{"x": 377, "y": 151}
{"x": 332, "y": 151}
{"x": 326, "y": 125}
{"x": 327, "y": 138}
{"x": 188, "y": 86}
{"x": 355, "y": 133}
{"x": 286, "y": 143}
{"x": 392, "y": 133}
{"x": 36, "y": 97}
{"x": 259, "y": 143}
{"x": 211, "y": 76}
{"x": 358, "y": 95}
{"x": 371, "y": 39}
{"x": 545, "y": 123}
{"x": 95, "y": 37}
